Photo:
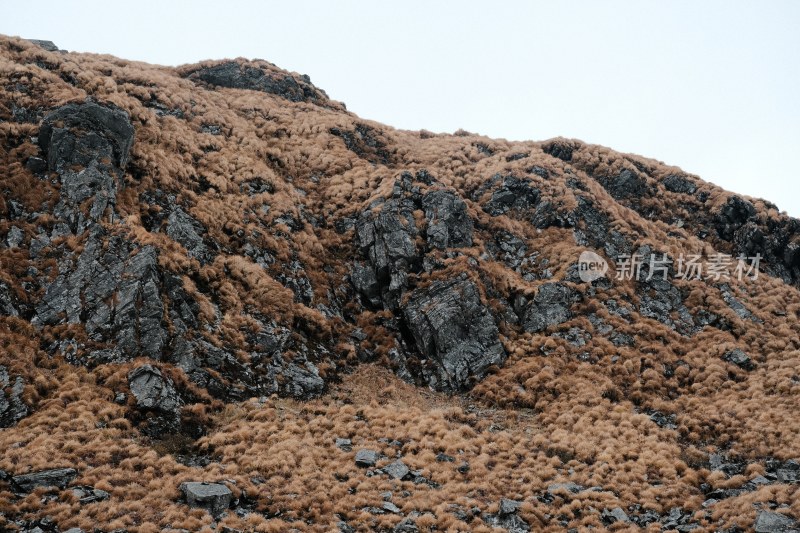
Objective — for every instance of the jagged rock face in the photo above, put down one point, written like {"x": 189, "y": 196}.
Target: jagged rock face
{"x": 12, "y": 408}
{"x": 87, "y": 144}
{"x": 513, "y": 194}
{"x": 114, "y": 290}
{"x": 549, "y": 307}
{"x": 449, "y": 225}
{"x": 387, "y": 239}
{"x": 454, "y": 331}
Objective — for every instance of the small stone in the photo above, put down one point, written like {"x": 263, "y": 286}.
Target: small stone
{"x": 397, "y": 470}
{"x": 739, "y": 358}
{"x": 391, "y": 508}
{"x": 367, "y": 458}
{"x": 14, "y": 237}
{"x": 508, "y": 507}
{"x": 344, "y": 444}
{"x": 569, "y": 487}
{"x": 614, "y": 515}
{"x": 214, "y": 497}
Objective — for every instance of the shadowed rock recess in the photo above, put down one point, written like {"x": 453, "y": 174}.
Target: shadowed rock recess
{"x": 229, "y": 304}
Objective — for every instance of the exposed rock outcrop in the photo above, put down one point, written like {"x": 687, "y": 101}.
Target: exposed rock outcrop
{"x": 454, "y": 332}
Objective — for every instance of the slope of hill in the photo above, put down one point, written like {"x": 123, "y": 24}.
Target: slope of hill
{"x": 215, "y": 273}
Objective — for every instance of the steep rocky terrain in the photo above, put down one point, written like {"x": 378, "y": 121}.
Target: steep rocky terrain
{"x": 229, "y": 304}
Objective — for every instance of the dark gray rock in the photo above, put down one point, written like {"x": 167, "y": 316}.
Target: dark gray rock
{"x": 407, "y": 525}
{"x": 732, "y": 216}
{"x": 88, "y": 495}
{"x": 188, "y": 232}
{"x": 113, "y": 289}
{"x": 454, "y": 332}
{"x": 569, "y": 486}
{"x": 344, "y": 444}
{"x": 548, "y": 308}
{"x": 366, "y": 283}
{"x": 152, "y": 390}
{"x": 14, "y": 237}
{"x": 739, "y": 358}
{"x": 513, "y": 194}
{"x": 770, "y": 522}
{"x": 389, "y": 507}
{"x": 213, "y": 497}
{"x": 679, "y": 184}
{"x": 449, "y": 225}
{"x": 301, "y": 380}
{"x": 8, "y": 303}
{"x": 627, "y": 184}
{"x": 12, "y": 408}
{"x": 79, "y": 133}
{"x": 387, "y": 239}
{"x": 507, "y": 517}
{"x": 613, "y": 516}
{"x": 45, "y": 45}
{"x": 508, "y": 507}
{"x": 367, "y": 458}
{"x": 235, "y": 76}
{"x": 593, "y": 229}
{"x": 57, "y": 477}
{"x": 397, "y": 470}
{"x": 738, "y": 307}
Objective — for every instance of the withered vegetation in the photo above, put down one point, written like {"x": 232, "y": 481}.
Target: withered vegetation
{"x": 277, "y": 181}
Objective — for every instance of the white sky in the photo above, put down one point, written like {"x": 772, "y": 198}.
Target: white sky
{"x": 711, "y": 86}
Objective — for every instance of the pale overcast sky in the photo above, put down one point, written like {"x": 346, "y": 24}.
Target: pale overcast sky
{"x": 710, "y": 86}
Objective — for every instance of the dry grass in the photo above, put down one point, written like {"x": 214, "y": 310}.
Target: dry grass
{"x": 540, "y": 419}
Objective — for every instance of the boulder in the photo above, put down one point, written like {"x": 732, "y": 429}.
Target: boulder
{"x": 612, "y": 516}
{"x": 454, "y": 331}
{"x": 236, "y": 76}
{"x": 8, "y": 301}
{"x": 387, "y": 239}
{"x": 679, "y": 184}
{"x": 57, "y": 477}
{"x": 152, "y": 390}
{"x": 739, "y": 358}
{"x": 507, "y": 517}
{"x": 213, "y": 497}
{"x": 771, "y": 522}
{"x": 88, "y": 495}
{"x": 50, "y": 46}
{"x": 397, "y": 470}
{"x": 79, "y": 133}
{"x": 367, "y": 458}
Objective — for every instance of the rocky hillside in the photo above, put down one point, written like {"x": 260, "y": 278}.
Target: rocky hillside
{"x": 229, "y": 304}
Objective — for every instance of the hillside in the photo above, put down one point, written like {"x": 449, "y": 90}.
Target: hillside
{"x": 216, "y": 273}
